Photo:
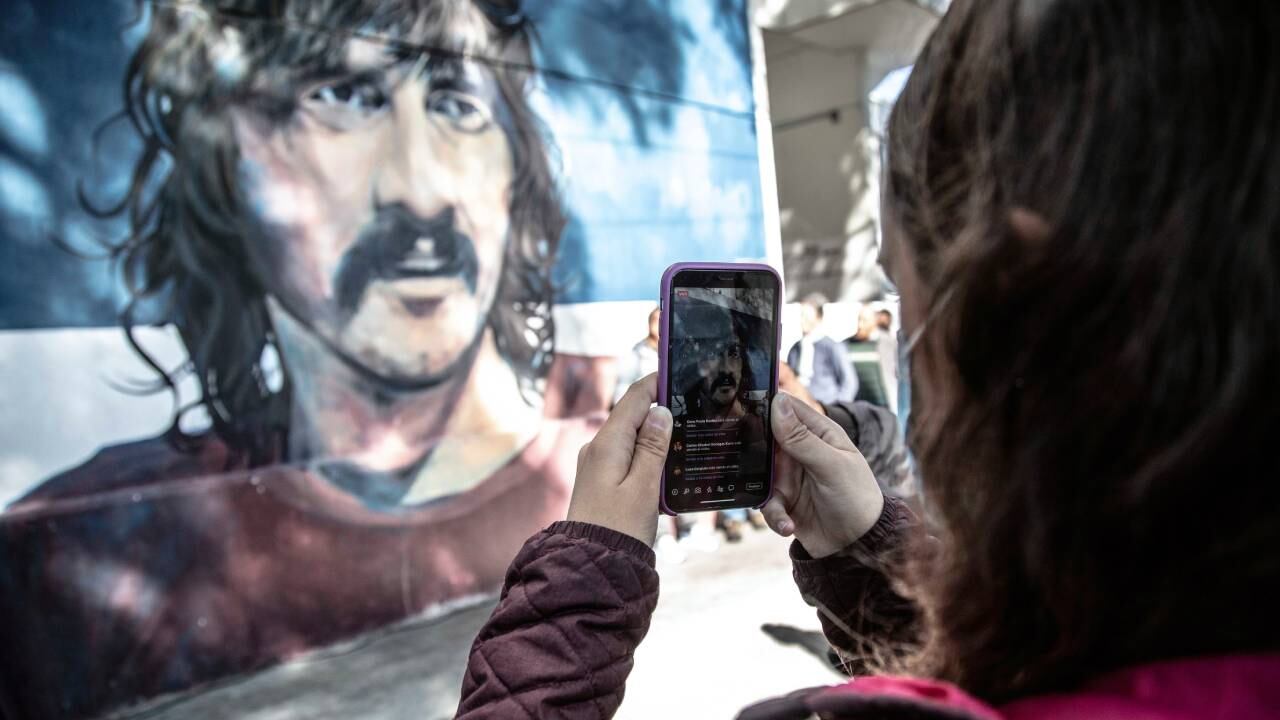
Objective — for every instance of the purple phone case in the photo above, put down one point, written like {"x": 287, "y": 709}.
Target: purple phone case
{"x": 664, "y": 338}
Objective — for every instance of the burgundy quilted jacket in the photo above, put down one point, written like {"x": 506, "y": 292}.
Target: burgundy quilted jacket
{"x": 578, "y": 599}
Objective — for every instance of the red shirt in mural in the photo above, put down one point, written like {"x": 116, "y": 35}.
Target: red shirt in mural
{"x": 147, "y": 571}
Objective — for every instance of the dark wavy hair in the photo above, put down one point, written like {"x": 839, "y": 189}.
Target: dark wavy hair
{"x": 186, "y": 214}
{"x": 1100, "y": 396}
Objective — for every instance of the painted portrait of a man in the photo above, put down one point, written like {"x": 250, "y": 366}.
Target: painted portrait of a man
{"x": 347, "y": 211}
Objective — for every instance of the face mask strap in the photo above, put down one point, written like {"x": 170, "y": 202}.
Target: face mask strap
{"x": 934, "y": 312}
{"x": 905, "y": 346}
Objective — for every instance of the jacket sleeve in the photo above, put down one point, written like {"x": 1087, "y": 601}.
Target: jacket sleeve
{"x": 576, "y": 603}
{"x": 874, "y": 431}
{"x": 860, "y": 611}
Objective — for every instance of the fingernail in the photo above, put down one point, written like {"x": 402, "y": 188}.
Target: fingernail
{"x": 786, "y": 527}
{"x": 784, "y": 406}
{"x": 659, "y": 418}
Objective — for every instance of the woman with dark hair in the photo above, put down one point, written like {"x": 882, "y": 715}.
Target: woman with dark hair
{"x": 1072, "y": 187}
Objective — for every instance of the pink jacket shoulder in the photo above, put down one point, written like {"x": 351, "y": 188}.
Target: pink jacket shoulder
{"x": 1245, "y": 687}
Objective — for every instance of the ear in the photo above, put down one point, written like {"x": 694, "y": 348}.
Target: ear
{"x": 1030, "y": 226}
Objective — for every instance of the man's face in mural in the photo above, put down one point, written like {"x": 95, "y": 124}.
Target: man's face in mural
{"x": 720, "y": 363}
{"x": 383, "y": 204}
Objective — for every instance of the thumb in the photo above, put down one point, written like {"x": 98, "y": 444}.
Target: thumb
{"x": 775, "y": 514}
{"x": 652, "y": 444}
{"x": 812, "y": 440}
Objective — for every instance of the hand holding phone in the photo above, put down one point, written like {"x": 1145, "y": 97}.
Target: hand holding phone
{"x": 824, "y": 493}
{"x": 619, "y": 470}
{"x": 718, "y": 372}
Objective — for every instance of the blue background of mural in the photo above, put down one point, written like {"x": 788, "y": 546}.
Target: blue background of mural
{"x": 648, "y": 101}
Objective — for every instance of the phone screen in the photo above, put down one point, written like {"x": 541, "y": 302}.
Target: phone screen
{"x": 722, "y": 357}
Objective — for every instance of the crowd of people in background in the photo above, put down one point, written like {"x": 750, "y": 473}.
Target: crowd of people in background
{"x": 862, "y": 367}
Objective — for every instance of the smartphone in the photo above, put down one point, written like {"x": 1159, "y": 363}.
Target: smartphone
{"x": 718, "y": 373}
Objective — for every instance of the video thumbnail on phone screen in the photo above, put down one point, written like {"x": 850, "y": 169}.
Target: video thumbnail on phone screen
{"x": 721, "y": 357}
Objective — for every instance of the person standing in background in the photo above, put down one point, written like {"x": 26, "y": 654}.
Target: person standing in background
{"x": 820, "y": 362}
{"x": 864, "y": 352}
{"x": 887, "y": 346}
{"x": 884, "y": 320}
{"x": 642, "y": 360}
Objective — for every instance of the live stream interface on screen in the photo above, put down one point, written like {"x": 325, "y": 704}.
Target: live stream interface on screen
{"x": 720, "y": 363}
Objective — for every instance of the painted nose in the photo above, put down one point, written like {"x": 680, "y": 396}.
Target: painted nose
{"x": 412, "y": 172}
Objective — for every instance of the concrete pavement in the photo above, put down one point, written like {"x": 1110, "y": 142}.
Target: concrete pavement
{"x": 705, "y": 655}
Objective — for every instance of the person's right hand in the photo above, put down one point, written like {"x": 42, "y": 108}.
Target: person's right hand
{"x": 824, "y": 492}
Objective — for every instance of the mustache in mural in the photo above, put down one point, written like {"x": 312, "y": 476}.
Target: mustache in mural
{"x": 725, "y": 379}
{"x": 400, "y": 245}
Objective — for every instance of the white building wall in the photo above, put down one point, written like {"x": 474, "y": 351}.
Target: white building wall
{"x": 822, "y": 64}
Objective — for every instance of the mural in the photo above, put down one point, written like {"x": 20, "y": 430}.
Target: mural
{"x": 364, "y": 256}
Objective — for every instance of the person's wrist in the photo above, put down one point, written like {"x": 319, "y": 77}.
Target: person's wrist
{"x": 818, "y": 548}
{"x": 820, "y": 545}
{"x": 641, "y": 531}
{"x": 868, "y": 520}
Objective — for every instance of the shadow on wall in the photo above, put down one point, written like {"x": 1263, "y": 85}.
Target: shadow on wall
{"x": 636, "y": 50}
{"x": 817, "y": 265}
{"x": 628, "y": 46}
{"x": 829, "y": 210}
{"x": 60, "y": 75}
{"x": 634, "y": 58}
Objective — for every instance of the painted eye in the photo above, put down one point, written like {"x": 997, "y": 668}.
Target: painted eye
{"x": 465, "y": 112}
{"x": 356, "y": 95}
{"x": 348, "y": 103}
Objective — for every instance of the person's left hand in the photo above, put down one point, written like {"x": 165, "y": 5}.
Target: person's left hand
{"x": 620, "y": 470}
